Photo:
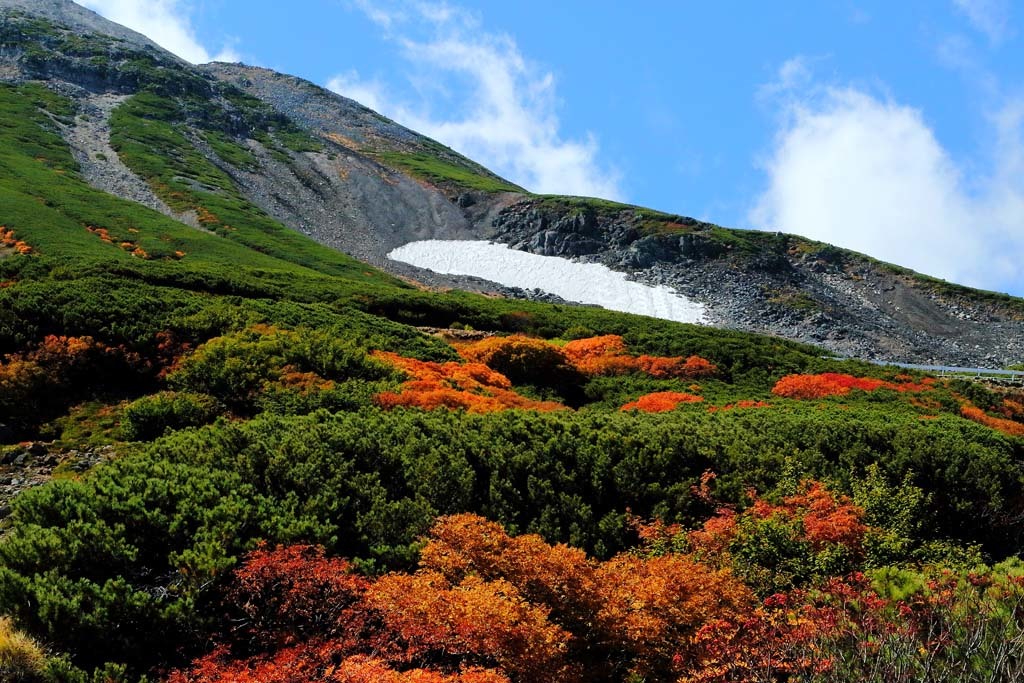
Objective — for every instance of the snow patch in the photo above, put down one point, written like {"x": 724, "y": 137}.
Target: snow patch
{"x": 585, "y": 283}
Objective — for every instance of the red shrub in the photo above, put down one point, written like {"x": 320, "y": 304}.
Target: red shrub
{"x": 836, "y": 384}
{"x": 1008, "y": 427}
{"x": 661, "y": 402}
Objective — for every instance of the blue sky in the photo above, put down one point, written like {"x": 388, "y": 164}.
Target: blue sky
{"x": 896, "y": 129}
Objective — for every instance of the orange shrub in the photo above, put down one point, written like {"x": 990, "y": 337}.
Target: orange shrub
{"x": 558, "y": 576}
{"x": 8, "y": 239}
{"x": 821, "y": 517}
{"x": 1013, "y": 408}
{"x": 836, "y": 384}
{"x": 1008, "y": 427}
{"x": 826, "y": 517}
{"x": 473, "y": 387}
{"x": 205, "y": 217}
{"x": 652, "y": 606}
{"x": 102, "y": 233}
{"x": 484, "y": 607}
{"x": 36, "y": 384}
{"x": 475, "y": 617}
{"x": 523, "y": 360}
{"x": 607, "y": 355}
{"x": 661, "y": 401}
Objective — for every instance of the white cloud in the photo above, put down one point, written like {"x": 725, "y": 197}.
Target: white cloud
{"x": 165, "y": 22}
{"x": 378, "y": 15}
{"x": 991, "y": 17}
{"x": 504, "y": 111}
{"x": 869, "y": 174}
{"x": 795, "y": 73}
{"x": 369, "y": 93}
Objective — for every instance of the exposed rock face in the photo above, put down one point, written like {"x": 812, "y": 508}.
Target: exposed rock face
{"x": 347, "y": 201}
{"x": 345, "y": 197}
{"x": 89, "y": 138}
{"x": 842, "y": 301}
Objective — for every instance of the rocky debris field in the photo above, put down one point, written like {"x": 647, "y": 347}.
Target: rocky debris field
{"x": 31, "y": 464}
{"x": 846, "y": 303}
{"x": 89, "y": 140}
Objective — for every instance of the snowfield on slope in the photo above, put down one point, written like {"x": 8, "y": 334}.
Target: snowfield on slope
{"x": 585, "y": 283}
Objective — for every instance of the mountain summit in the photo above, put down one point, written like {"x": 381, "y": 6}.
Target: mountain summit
{"x": 349, "y": 178}
{"x": 81, "y": 20}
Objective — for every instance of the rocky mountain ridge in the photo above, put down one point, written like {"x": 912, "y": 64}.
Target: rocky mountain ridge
{"x": 352, "y": 179}
{"x": 778, "y": 284}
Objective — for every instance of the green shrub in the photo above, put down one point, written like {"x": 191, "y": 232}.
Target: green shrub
{"x": 152, "y": 416}
{"x": 238, "y": 367}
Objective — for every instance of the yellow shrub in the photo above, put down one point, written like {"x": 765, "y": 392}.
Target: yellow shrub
{"x": 21, "y": 658}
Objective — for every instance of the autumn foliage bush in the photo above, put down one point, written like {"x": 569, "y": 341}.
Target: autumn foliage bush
{"x": 809, "y": 534}
{"x": 39, "y": 382}
{"x": 471, "y": 386}
{"x": 525, "y": 360}
{"x": 661, "y": 402}
{"x": 1000, "y": 424}
{"x": 484, "y": 607}
{"x": 608, "y": 355}
{"x": 836, "y": 384}
{"x": 8, "y": 239}
{"x": 535, "y": 361}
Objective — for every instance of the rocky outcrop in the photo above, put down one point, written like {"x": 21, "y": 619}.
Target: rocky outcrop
{"x": 31, "y": 464}
{"x": 82, "y": 21}
{"x": 777, "y": 284}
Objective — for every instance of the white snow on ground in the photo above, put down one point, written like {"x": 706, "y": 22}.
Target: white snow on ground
{"x": 585, "y": 283}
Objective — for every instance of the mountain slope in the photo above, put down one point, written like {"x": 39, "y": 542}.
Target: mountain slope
{"x": 763, "y": 282}
{"x": 203, "y": 410}
{"x": 351, "y": 179}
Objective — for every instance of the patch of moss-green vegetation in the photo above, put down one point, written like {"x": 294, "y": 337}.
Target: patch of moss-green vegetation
{"x": 91, "y": 424}
{"x": 61, "y": 108}
{"x": 48, "y": 46}
{"x": 297, "y": 140}
{"x": 600, "y": 207}
{"x": 230, "y": 151}
{"x": 794, "y": 299}
{"x": 434, "y": 170}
